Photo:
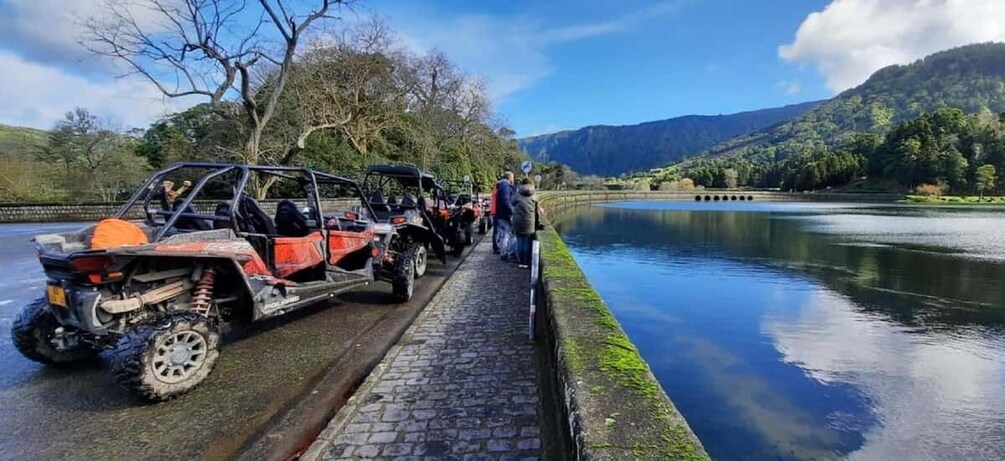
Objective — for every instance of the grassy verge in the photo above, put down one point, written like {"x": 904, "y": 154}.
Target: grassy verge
{"x": 955, "y": 200}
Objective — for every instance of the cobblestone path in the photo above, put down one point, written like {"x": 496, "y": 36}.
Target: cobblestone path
{"x": 461, "y": 383}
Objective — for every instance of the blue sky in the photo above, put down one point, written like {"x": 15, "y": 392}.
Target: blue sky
{"x": 632, "y": 61}
{"x": 553, "y": 65}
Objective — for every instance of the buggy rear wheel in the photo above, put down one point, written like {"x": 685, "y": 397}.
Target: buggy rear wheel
{"x": 166, "y": 358}
{"x": 458, "y": 244}
{"x": 403, "y": 283}
{"x": 33, "y": 332}
{"x": 421, "y": 257}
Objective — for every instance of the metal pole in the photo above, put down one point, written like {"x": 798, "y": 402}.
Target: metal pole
{"x": 535, "y": 271}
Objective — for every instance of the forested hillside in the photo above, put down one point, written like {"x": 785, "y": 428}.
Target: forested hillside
{"x": 613, "y": 150}
{"x": 935, "y": 122}
{"x": 971, "y": 78}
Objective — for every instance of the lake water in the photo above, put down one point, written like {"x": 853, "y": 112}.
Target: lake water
{"x": 812, "y": 331}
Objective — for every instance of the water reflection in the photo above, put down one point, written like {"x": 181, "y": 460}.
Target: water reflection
{"x": 807, "y": 331}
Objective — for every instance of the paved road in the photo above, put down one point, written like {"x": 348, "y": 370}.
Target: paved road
{"x": 461, "y": 383}
{"x": 262, "y": 371}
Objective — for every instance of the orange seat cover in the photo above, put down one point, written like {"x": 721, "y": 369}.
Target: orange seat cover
{"x": 112, "y": 233}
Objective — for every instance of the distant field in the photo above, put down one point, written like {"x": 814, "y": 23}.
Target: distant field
{"x": 956, "y": 200}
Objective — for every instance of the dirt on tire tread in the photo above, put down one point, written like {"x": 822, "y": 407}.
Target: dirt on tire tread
{"x": 127, "y": 360}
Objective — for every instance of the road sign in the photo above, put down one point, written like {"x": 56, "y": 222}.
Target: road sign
{"x": 526, "y": 166}
{"x": 537, "y": 178}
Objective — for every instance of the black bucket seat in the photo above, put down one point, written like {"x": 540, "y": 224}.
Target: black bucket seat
{"x": 290, "y": 221}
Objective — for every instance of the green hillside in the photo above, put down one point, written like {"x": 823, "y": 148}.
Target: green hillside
{"x": 971, "y": 78}
{"x": 18, "y": 140}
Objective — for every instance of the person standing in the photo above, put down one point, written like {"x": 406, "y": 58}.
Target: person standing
{"x": 503, "y": 233}
{"x": 526, "y": 219}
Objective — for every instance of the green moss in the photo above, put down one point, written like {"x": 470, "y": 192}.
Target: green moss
{"x": 622, "y": 361}
{"x": 597, "y": 390}
{"x": 573, "y": 355}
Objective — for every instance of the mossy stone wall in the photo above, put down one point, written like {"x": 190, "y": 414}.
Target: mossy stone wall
{"x": 614, "y": 407}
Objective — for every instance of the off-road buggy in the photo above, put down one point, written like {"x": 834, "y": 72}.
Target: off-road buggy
{"x": 464, "y": 208}
{"x": 157, "y": 291}
{"x": 485, "y": 220}
{"x": 399, "y": 196}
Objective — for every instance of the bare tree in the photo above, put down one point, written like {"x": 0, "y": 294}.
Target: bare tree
{"x": 210, "y": 48}
{"x": 345, "y": 83}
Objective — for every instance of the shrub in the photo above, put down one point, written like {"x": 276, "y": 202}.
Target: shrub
{"x": 928, "y": 190}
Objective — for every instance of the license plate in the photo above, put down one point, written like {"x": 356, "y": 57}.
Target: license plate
{"x": 56, "y": 295}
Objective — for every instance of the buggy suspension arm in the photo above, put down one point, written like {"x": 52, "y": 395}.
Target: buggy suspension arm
{"x": 156, "y": 295}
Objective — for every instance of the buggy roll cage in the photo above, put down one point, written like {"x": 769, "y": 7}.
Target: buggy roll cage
{"x": 149, "y": 189}
{"x": 462, "y": 187}
{"x": 405, "y": 175}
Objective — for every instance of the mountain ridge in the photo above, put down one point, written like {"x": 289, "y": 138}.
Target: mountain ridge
{"x": 616, "y": 149}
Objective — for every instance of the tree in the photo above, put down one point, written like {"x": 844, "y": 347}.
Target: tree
{"x": 210, "y": 48}
{"x": 731, "y": 177}
{"x": 201, "y": 133}
{"x": 985, "y": 178}
{"x": 99, "y": 163}
{"x": 349, "y": 85}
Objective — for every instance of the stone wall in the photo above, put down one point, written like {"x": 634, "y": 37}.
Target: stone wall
{"x": 614, "y": 407}
{"x": 72, "y": 212}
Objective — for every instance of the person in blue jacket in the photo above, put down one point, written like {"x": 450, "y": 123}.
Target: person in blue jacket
{"x": 502, "y": 233}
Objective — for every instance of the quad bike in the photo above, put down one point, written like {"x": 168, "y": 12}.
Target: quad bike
{"x": 156, "y": 292}
{"x": 398, "y": 196}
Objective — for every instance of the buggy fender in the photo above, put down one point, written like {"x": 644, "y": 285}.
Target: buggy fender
{"x": 236, "y": 256}
{"x": 422, "y": 234}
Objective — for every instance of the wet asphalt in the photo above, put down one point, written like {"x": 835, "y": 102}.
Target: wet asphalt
{"x": 274, "y": 383}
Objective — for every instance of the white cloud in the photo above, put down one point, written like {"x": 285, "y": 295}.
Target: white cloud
{"x": 50, "y": 31}
{"x": 790, "y": 88}
{"x": 851, "y": 39}
{"x": 512, "y": 52}
{"x": 548, "y": 128}
{"x": 917, "y": 385}
{"x": 37, "y": 95}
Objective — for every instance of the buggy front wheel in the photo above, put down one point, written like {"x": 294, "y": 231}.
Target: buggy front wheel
{"x": 403, "y": 282}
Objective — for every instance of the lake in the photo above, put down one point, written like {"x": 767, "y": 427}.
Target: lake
{"x": 812, "y": 330}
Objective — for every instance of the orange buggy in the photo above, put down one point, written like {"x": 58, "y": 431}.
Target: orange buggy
{"x": 156, "y": 291}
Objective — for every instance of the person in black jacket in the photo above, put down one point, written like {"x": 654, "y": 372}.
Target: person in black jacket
{"x": 526, "y": 221}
